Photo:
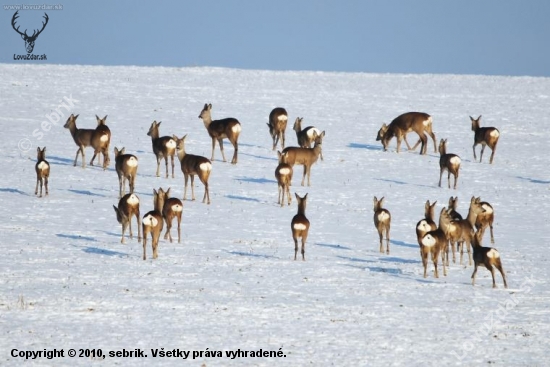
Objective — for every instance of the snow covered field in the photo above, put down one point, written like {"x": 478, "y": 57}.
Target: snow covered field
{"x": 68, "y": 282}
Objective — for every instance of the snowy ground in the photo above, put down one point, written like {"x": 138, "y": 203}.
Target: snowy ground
{"x": 232, "y": 283}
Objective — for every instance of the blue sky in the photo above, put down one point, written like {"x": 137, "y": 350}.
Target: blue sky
{"x": 495, "y": 37}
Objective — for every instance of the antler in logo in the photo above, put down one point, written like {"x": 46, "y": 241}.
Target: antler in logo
{"x": 29, "y": 40}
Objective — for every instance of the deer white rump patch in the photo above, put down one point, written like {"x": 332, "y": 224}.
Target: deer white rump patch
{"x": 299, "y": 226}
{"x": 424, "y": 226}
{"x": 493, "y": 254}
{"x": 206, "y": 166}
{"x": 494, "y": 134}
{"x": 284, "y": 171}
{"x": 132, "y": 162}
{"x": 311, "y": 131}
{"x": 171, "y": 144}
{"x": 455, "y": 160}
{"x": 150, "y": 220}
{"x": 176, "y": 208}
{"x": 488, "y": 209}
{"x": 427, "y": 122}
{"x": 383, "y": 216}
{"x": 428, "y": 240}
{"x": 133, "y": 200}
{"x": 43, "y": 165}
{"x": 236, "y": 128}
{"x": 104, "y": 138}
{"x": 282, "y": 118}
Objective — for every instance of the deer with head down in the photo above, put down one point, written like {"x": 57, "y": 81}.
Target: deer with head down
{"x": 382, "y": 222}
{"x": 163, "y": 147}
{"x": 484, "y": 136}
{"x": 228, "y": 128}
{"x": 305, "y": 156}
{"x": 42, "y": 169}
{"x": 278, "y": 119}
{"x": 419, "y": 122}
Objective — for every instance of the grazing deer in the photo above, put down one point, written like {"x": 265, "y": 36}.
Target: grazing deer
{"x": 306, "y": 136}
{"x": 485, "y": 219}
{"x": 433, "y": 243}
{"x": 305, "y": 156}
{"x": 418, "y": 122}
{"x": 448, "y": 162}
{"x": 82, "y": 138}
{"x": 192, "y": 165}
{"x": 382, "y": 222}
{"x": 277, "y": 126}
{"x": 228, "y": 128}
{"x": 163, "y": 147}
{"x": 172, "y": 209}
{"x": 153, "y": 223}
{"x": 488, "y": 257}
{"x": 300, "y": 225}
{"x": 427, "y": 224}
{"x": 484, "y": 136}
{"x": 128, "y": 206}
{"x": 453, "y": 204}
{"x": 283, "y": 174}
{"x": 101, "y": 139}
{"x": 461, "y": 232}
{"x": 126, "y": 168}
{"x": 42, "y": 169}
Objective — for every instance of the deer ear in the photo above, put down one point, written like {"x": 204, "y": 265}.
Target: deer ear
{"x": 76, "y": 116}
{"x": 479, "y": 118}
{"x": 122, "y": 150}
{"x": 168, "y": 191}
{"x": 210, "y": 106}
{"x": 105, "y": 118}
{"x": 97, "y": 118}
{"x": 116, "y": 209}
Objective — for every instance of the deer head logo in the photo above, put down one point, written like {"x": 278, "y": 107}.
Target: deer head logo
{"x": 29, "y": 40}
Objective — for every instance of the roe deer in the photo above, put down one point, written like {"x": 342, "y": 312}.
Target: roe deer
{"x": 306, "y": 136}
{"x": 382, "y": 222}
{"x": 484, "y": 136}
{"x": 427, "y": 224}
{"x": 448, "y": 162}
{"x": 163, "y": 147}
{"x": 229, "y": 128}
{"x": 433, "y": 243}
{"x": 485, "y": 219}
{"x": 101, "y": 139}
{"x": 42, "y": 169}
{"x": 300, "y": 225}
{"x": 305, "y": 156}
{"x": 277, "y": 126}
{"x": 283, "y": 174}
{"x": 83, "y": 139}
{"x": 462, "y": 231}
{"x": 128, "y": 206}
{"x": 418, "y": 122}
{"x": 126, "y": 166}
{"x": 453, "y": 204}
{"x": 192, "y": 165}
{"x": 488, "y": 257}
{"x": 172, "y": 209}
{"x": 153, "y": 223}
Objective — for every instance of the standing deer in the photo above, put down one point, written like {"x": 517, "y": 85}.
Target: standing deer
{"x": 172, "y": 209}
{"x": 277, "y": 126}
{"x": 488, "y": 257}
{"x": 305, "y": 137}
{"x": 126, "y": 168}
{"x": 418, "y": 122}
{"x": 192, "y": 165}
{"x": 42, "y": 169}
{"x": 128, "y": 206}
{"x": 433, "y": 243}
{"x": 86, "y": 138}
{"x": 305, "y": 156}
{"x": 448, "y": 162}
{"x": 283, "y": 174}
{"x": 427, "y": 224}
{"x": 484, "y": 136}
{"x": 228, "y": 128}
{"x": 300, "y": 226}
{"x": 453, "y": 204}
{"x": 153, "y": 223}
{"x": 163, "y": 147}
{"x": 382, "y": 222}
{"x": 485, "y": 219}
{"x": 102, "y": 138}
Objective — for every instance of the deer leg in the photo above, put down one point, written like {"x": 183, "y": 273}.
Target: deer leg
{"x": 288, "y": 194}
{"x": 185, "y": 178}
{"x": 236, "y": 150}
{"x": 408, "y": 146}
{"x": 131, "y": 183}
{"x": 501, "y": 270}
{"x": 424, "y": 262}
{"x": 469, "y": 244}
{"x": 453, "y": 250}
{"x": 167, "y": 234}
{"x": 432, "y": 135}
{"x": 206, "y": 193}
{"x": 155, "y": 245}
{"x": 435, "y": 255}
{"x": 145, "y": 234}
{"x": 474, "y": 274}
{"x": 492, "y": 153}
{"x": 456, "y": 178}
{"x": 398, "y": 143}
{"x": 76, "y": 158}
{"x": 491, "y": 229}
{"x": 178, "y": 217}
{"x": 304, "y": 237}
{"x": 449, "y": 179}
{"x": 380, "y": 236}
{"x": 193, "y": 187}
{"x": 388, "y": 240}
{"x": 440, "y": 175}
{"x": 46, "y": 184}
{"x": 158, "y": 166}
{"x": 295, "y": 247}
{"x": 424, "y": 147}
{"x": 123, "y": 231}
{"x": 139, "y": 226}
{"x": 220, "y": 142}
{"x": 304, "y": 175}
{"x": 283, "y": 139}
{"x": 474, "y": 149}
{"x": 172, "y": 159}
{"x": 93, "y": 158}
{"x": 280, "y": 198}
{"x": 36, "y": 188}
{"x": 213, "y": 147}
{"x": 482, "y": 150}
{"x": 166, "y": 164}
